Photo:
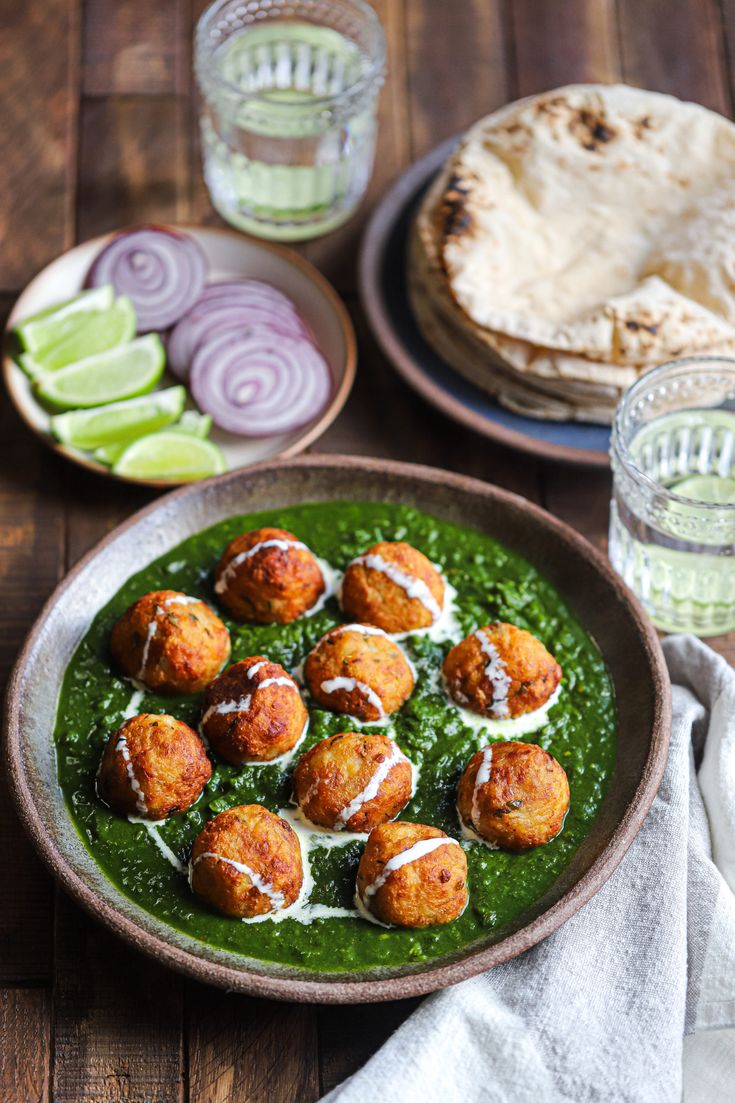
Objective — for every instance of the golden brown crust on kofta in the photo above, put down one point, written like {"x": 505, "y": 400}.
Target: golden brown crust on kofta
{"x": 423, "y": 893}
{"x": 153, "y": 766}
{"x": 524, "y": 802}
{"x": 333, "y": 773}
{"x": 528, "y": 674}
{"x": 269, "y": 726}
{"x": 371, "y": 596}
{"x": 275, "y": 585}
{"x": 252, "y": 836}
{"x": 170, "y": 642}
{"x": 380, "y": 679}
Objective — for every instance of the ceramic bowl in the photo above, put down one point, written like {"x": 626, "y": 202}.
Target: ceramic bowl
{"x": 584, "y": 578}
{"x": 230, "y": 255}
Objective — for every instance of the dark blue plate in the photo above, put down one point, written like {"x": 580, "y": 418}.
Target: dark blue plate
{"x": 384, "y": 294}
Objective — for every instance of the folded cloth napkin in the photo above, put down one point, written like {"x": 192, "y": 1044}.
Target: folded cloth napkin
{"x": 633, "y": 999}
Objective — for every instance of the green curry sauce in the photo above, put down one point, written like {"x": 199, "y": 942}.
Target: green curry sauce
{"x": 493, "y": 584}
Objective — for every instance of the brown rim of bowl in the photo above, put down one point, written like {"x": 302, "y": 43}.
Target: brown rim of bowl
{"x": 399, "y": 987}
{"x": 310, "y": 434}
{"x": 371, "y": 253}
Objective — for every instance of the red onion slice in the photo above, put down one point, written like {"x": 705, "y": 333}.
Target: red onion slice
{"x": 248, "y": 288}
{"x": 258, "y": 383}
{"x": 161, "y": 270}
{"x": 227, "y": 306}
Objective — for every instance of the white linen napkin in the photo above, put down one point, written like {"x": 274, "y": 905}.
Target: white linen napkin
{"x": 633, "y": 999}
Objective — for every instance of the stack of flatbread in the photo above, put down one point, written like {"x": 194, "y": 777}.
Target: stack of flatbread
{"x": 576, "y": 239}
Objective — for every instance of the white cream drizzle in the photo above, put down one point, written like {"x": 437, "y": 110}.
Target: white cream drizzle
{"x": 226, "y": 707}
{"x": 133, "y": 706}
{"x": 481, "y": 778}
{"x": 122, "y": 748}
{"x": 277, "y": 899}
{"x": 243, "y": 703}
{"x": 411, "y": 854}
{"x": 505, "y": 729}
{"x": 473, "y": 836}
{"x": 152, "y": 629}
{"x": 221, "y": 584}
{"x": 282, "y": 759}
{"x": 310, "y": 838}
{"x": 497, "y": 674}
{"x": 333, "y": 685}
{"x": 447, "y": 627}
{"x": 372, "y": 788}
{"x": 415, "y": 588}
{"x": 181, "y": 599}
{"x": 332, "y": 578}
{"x": 373, "y": 630}
{"x": 279, "y": 681}
{"x": 151, "y": 827}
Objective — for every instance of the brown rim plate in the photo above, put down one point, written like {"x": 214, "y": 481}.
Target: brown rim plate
{"x": 583, "y": 576}
{"x": 384, "y": 295}
{"x": 230, "y": 254}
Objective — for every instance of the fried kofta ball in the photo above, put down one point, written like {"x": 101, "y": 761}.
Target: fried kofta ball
{"x": 393, "y": 586}
{"x": 501, "y": 672}
{"x": 359, "y": 670}
{"x": 152, "y": 767}
{"x": 253, "y": 712}
{"x": 170, "y": 642}
{"x": 513, "y": 795}
{"x": 411, "y": 875}
{"x": 247, "y": 862}
{"x": 268, "y": 576}
{"x": 353, "y": 781}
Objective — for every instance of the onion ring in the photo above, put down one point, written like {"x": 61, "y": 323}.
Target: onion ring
{"x": 161, "y": 270}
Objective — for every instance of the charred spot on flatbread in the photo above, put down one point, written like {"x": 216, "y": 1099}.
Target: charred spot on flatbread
{"x": 455, "y": 217}
{"x": 591, "y": 129}
{"x": 635, "y": 326}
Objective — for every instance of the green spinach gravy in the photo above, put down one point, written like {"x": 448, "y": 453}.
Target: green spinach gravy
{"x": 492, "y": 583}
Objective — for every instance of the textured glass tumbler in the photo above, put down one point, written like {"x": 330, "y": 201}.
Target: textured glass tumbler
{"x": 289, "y": 92}
{"x": 672, "y": 515}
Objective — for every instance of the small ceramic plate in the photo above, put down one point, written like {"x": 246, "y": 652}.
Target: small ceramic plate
{"x": 384, "y": 293}
{"x": 595, "y": 594}
{"x": 230, "y": 254}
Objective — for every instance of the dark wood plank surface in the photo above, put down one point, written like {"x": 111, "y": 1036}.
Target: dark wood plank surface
{"x": 99, "y": 129}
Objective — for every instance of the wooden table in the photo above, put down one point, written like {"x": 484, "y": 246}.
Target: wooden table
{"x": 98, "y": 131}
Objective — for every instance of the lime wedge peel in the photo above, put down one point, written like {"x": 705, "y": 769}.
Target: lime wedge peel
{"x": 192, "y": 423}
{"x": 119, "y": 422}
{"x": 94, "y": 331}
{"x": 49, "y": 326}
{"x": 170, "y": 457}
{"x": 123, "y": 372}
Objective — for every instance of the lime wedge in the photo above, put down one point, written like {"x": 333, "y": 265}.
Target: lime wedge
{"x": 111, "y": 453}
{"x": 177, "y": 457}
{"x": 93, "y": 331}
{"x": 51, "y": 325}
{"x": 123, "y": 372}
{"x": 193, "y": 424}
{"x": 707, "y": 488}
{"x": 119, "y": 422}
{"x": 30, "y": 366}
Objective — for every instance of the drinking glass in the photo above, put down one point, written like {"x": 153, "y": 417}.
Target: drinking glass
{"x": 672, "y": 515}
{"x": 289, "y": 94}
